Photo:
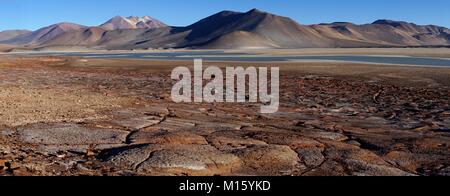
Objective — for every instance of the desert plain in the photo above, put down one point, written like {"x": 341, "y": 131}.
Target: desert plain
{"x": 89, "y": 116}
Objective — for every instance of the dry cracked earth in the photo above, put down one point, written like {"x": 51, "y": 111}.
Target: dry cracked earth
{"x": 63, "y": 116}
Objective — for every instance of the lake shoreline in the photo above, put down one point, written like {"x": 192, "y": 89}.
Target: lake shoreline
{"x": 402, "y": 57}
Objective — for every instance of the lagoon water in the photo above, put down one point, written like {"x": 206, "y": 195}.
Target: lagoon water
{"x": 225, "y": 56}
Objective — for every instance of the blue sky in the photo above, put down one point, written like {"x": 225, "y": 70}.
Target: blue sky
{"x": 33, "y": 14}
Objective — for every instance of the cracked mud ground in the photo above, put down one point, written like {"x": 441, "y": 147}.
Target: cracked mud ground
{"x": 68, "y": 116}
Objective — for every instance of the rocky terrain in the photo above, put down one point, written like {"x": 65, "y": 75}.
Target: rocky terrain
{"x": 228, "y": 30}
{"x": 68, "y": 116}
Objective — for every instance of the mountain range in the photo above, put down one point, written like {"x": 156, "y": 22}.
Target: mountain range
{"x": 227, "y": 30}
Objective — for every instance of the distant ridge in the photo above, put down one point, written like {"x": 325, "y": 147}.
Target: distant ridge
{"x": 10, "y": 34}
{"x": 230, "y": 30}
{"x": 45, "y": 34}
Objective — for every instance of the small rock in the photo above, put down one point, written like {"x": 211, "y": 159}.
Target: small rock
{"x": 3, "y": 164}
{"x": 56, "y": 168}
{"x": 269, "y": 160}
{"x": 129, "y": 157}
{"x": 61, "y": 154}
{"x": 21, "y": 172}
{"x": 372, "y": 110}
{"x": 363, "y": 168}
{"x": 12, "y": 165}
{"x": 8, "y": 165}
{"x": 91, "y": 152}
{"x": 70, "y": 134}
{"x": 191, "y": 160}
{"x": 353, "y": 142}
{"x": 312, "y": 157}
{"x": 327, "y": 168}
{"x": 342, "y": 151}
